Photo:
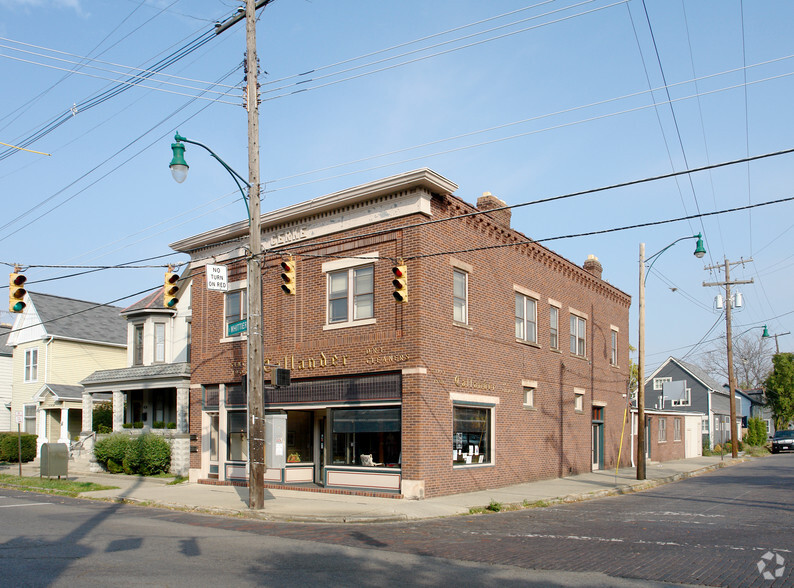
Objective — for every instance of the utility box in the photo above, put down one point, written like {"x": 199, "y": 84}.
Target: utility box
{"x": 54, "y": 460}
{"x": 275, "y": 441}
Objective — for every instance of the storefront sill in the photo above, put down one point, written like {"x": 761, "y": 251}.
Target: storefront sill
{"x": 303, "y": 488}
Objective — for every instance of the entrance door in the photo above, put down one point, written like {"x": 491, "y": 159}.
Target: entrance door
{"x": 319, "y": 444}
{"x": 647, "y": 438}
{"x": 598, "y": 438}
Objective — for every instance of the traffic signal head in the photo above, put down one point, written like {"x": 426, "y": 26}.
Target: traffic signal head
{"x": 170, "y": 297}
{"x": 288, "y": 276}
{"x": 16, "y": 292}
{"x": 400, "y": 283}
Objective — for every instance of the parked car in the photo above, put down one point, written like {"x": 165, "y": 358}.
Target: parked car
{"x": 783, "y": 440}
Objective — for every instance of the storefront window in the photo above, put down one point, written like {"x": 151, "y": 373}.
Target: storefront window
{"x": 372, "y": 432}
{"x": 300, "y": 430}
{"x": 471, "y": 435}
{"x": 237, "y": 439}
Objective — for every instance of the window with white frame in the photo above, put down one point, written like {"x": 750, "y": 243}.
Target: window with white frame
{"x": 137, "y": 345}
{"x": 613, "y": 357}
{"x": 685, "y": 401}
{"x": 236, "y": 308}
{"x": 578, "y": 400}
{"x": 529, "y": 393}
{"x": 30, "y": 418}
{"x": 554, "y": 327}
{"x": 704, "y": 426}
{"x": 658, "y": 383}
{"x": 471, "y": 435}
{"x": 676, "y": 429}
{"x": 159, "y": 342}
{"x": 526, "y": 318}
{"x": 351, "y": 294}
{"x": 460, "y": 296}
{"x": 31, "y": 365}
{"x": 578, "y": 336}
{"x": 662, "y": 429}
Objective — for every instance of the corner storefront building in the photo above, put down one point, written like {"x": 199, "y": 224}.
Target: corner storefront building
{"x": 506, "y": 363}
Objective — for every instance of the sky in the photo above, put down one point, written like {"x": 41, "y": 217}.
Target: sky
{"x": 526, "y": 100}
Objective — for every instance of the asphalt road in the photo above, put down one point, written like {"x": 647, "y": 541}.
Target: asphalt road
{"x": 714, "y": 529}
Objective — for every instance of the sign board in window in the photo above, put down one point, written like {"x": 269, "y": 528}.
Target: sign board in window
{"x": 237, "y": 327}
{"x": 217, "y": 278}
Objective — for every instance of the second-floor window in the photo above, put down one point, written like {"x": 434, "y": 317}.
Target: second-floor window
{"x": 526, "y": 318}
{"x": 460, "y": 296}
{"x": 613, "y": 357}
{"x": 31, "y": 365}
{"x": 351, "y": 294}
{"x": 159, "y": 342}
{"x": 554, "y": 328}
{"x": 578, "y": 336}
{"x": 137, "y": 345}
{"x": 236, "y": 308}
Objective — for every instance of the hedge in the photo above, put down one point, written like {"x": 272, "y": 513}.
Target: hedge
{"x": 144, "y": 455}
{"x": 9, "y": 447}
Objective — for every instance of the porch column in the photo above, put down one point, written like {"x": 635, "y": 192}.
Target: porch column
{"x": 118, "y": 410}
{"x": 182, "y": 408}
{"x": 41, "y": 428}
{"x": 64, "y": 438}
{"x": 88, "y": 413}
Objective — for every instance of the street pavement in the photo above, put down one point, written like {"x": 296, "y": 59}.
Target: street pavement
{"x": 322, "y": 507}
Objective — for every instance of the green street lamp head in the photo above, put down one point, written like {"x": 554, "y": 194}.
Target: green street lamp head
{"x": 766, "y": 334}
{"x": 178, "y": 164}
{"x": 700, "y": 251}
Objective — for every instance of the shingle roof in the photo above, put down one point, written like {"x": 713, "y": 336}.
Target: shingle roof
{"x": 149, "y": 302}
{"x": 79, "y": 319}
{"x": 4, "y": 348}
{"x": 140, "y": 372}
{"x": 66, "y": 391}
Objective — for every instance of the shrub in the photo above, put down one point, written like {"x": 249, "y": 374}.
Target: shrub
{"x": 148, "y": 455}
{"x": 158, "y": 425}
{"x": 111, "y": 449}
{"x": 103, "y": 429}
{"x": 137, "y": 425}
{"x": 9, "y": 447}
{"x": 756, "y": 431}
{"x": 172, "y": 425}
{"x": 127, "y": 425}
{"x": 717, "y": 448}
{"x": 102, "y": 417}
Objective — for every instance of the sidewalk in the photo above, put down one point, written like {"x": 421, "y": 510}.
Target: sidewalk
{"x": 294, "y": 505}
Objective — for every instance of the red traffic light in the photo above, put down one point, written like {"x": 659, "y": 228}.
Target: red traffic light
{"x": 18, "y": 279}
{"x": 399, "y": 271}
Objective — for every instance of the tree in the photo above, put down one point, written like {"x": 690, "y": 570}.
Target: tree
{"x": 780, "y": 389}
{"x": 752, "y": 360}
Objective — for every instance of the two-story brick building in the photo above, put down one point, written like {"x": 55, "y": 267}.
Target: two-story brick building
{"x": 506, "y": 363}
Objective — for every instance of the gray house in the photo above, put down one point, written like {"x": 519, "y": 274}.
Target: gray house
{"x": 679, "y": 386}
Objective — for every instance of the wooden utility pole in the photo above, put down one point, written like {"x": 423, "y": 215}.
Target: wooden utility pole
{"x": 641, "y": 440}
{"x": 729, "y": 335}
{"x": 255, "y": 367}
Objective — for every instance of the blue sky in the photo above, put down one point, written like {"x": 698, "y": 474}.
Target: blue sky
{"x": 526, "y": 100}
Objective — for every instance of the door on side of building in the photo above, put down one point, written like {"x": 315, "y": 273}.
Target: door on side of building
{"x": 598, "y": 438}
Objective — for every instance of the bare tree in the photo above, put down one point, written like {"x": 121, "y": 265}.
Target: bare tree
{"x": 752, "y": 360}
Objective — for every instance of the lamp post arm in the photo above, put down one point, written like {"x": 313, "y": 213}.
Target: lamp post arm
{"x": 235, "y": 176}
{"x": 656, "y": 255}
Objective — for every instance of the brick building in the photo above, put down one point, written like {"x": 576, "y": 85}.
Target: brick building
{"x": 507, "y": 363}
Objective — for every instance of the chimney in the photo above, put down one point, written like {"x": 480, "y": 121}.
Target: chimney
{"x": 488, "y": 202}
{"x": 593, "y": 266}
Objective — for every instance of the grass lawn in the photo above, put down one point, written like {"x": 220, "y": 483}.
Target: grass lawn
{"x": 61, "y": 487}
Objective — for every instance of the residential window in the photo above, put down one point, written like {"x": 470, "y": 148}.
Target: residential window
{"x": 371, "y": 432}
{"x": 686, "y": 401}
{"x": 526, "y": 318}
{"x": 31, "y": 365}
{"x": 578, "y": 401}
{"x": 658, "y": 383}
{"x": 188, "y": 340}
{"x": 211, "y": 396}
{"x": 471, "y": 435}
{"x": 137, "y": 345}
{"x": 237, "y": 436}
{"x": 529, "y": 397}
{"x": 214, "y": 436}
{"x": 236, "y": 308}
{"x": 236, "y": 395}
{"x": 30, "y": 418}
{"x": 351, "y": 294}
{"x": 460, "y": 296}
{"x": 704, "y": 426}
{"x": 554, "y": 327}
{"x": 676, "y": 429}
{"x": 159, "y": 342}
{"x": 662, "y": 429}
{"x": 613, "y": 358}
{"x": 578, "y": 335}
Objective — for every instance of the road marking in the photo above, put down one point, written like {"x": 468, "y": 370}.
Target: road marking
{"x": 26, "y": 504}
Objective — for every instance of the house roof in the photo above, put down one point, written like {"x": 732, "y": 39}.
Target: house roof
{"x": 79, "y": 319}
{"x": 701, "y": 375}
{"x": 4, "y": 348}
{"x": 62, "y": 391}
{"x": 153, "y": 301}
{"x": 139, "y": 372}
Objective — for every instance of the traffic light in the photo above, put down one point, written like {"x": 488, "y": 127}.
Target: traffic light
{"x": 170, "y": 298}
{"x": 16, "y": 292}
{"x": 288, "y": 276}
{"x": 400, "y": 283}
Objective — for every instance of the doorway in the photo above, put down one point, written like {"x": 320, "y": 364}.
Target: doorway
{"x": 598, "y": 438}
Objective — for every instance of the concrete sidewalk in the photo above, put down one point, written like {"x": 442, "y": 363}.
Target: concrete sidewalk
{"x": 303, "y": 506}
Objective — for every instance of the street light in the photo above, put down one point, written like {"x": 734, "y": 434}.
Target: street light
{"x": 766, "y": 335}
{"x": 699, "y": 252}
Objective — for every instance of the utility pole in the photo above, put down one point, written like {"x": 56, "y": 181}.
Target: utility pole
{"x": 729, "y": 335}
{"x": 255, "y": 368}
{"x": 641, "y": 440}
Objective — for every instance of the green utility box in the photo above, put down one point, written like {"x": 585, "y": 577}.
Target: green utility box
{"x": 54, "y": 460}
